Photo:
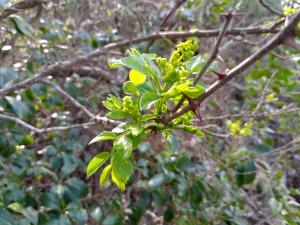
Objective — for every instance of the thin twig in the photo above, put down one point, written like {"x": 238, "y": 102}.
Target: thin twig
{"x": 22, "y": 5}
{"x": 69, "y": 97}
{"x": 58, "y": 128}
{"x": 251, "y": 115}
{"x": 270, "y": 9}
{"x": 269, "y": 46}
{"x": 211, "y": 58}
{"x": 65, "y": 66}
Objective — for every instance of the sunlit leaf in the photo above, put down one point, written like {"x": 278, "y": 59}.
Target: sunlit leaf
{"x": 105, "y": 135}
{"x": 136, "y": 77}
{"x": 96, "y": 162}
{"x": 105, "y": 175}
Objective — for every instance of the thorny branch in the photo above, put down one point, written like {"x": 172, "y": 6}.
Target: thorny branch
{"x": 212, "y": 56}
{"x": 277, "y": 40}
{"x": 68, "y": 65}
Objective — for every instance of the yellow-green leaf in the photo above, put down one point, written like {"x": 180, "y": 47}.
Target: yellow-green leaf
{"x": 119, "y": 183}
{"x": 105, "y": 175}
{"x": 136, "y": 77}
{"x": 96, "y": 162}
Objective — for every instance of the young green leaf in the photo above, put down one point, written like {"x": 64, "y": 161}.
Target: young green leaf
{"x": 148, "y": 117}
{"x": 137, "y": 61}
{"x": 136, "y": 77}
{"x": 192, "y": 92}
{"x": 118, "y": 182}
{"x": 121, "y": 167}
{"x": 193, "y": 130}
{"x": 147, "y": 100}
{"x": 105, "y": 135}
{"x": 105, "y": 175}
{"x": 96, "y": 162}
{"x": 116, "y": 115}
{"x": 15, "y": 207}
{"x": 123, "y": 146}
{"x": 130, "y": 88}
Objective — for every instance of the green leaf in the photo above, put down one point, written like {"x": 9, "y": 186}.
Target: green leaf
{"x": 19, "y": 107}
{"x": 137, "y": 61}
{"x": 148, "y": 117}
{"x": 15, "y": 207}
{"x": 245, "y": 172}
{"x": 193, "y": 130}
{"x": 6, "y": 218}
{"x": 116, "y": 115}
{"x": 192, "y": 92}
{"x": 118, "y": 182}
{"x": 113, "y": 103}
{"x": 121, "y": 168}
{"x": 130, "y": 88}
{"x": 123, "y": 146}
{"x": 31, "y": 214}
{"x": 156, "y": 180}
{"x": 196, "y": 63}
{"x": 105, "y": 175}
{"x": 147, "y": 100}
{"x": 96, "y": 162}
{"x": 105, "y": 135}
{"x": 168, "y": 215}
{"x": 261, "y": 148}
{"x": 21, "y": 25}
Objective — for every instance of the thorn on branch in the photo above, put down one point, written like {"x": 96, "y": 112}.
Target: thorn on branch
{"x": 220, "y": 75}
{"x": 195, "y": 108}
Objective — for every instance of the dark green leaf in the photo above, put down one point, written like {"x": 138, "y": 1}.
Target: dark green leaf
{"x": 21, "y": 25}
{"x": 245, "y": 172}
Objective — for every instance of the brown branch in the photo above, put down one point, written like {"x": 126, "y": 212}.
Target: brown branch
{"x": 22, "y": 5}
{"x": 251, "y": 115}
{"x": 269, "y": 46}
{"x": 58, "y": 128}
{"x": 211, "y": 58}
{"x": 69, "y": 97}
{"x": 177, "y": 4}
{"x": 66, "y": 66}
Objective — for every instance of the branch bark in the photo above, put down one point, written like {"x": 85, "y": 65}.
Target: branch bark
{"x": 22, "y": 5}
{"x": 269, "y": 46}
{"x": 68, "y": 65}
{"x": 211, "y": 58}
{"x": 270, "y": 9}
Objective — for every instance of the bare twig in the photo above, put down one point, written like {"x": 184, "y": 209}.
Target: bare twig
{"x": 58, "y": 128}
{"x": 177, "y": 4}
{"x": 22, "y": 5}
{"x": 64, "y": 66}
{"x": 264, "y": 93}
{"x": 251, "y": 115}
{"x": 270, "y": 9}
{"x": 211, "y": 58}
{"x": 69, "y": 97}
{"x": 269, "y": 46}
{"x": 20, "y": 122}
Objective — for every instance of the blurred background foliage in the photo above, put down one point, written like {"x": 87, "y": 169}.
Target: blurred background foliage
{"x": 244, "y": 171}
